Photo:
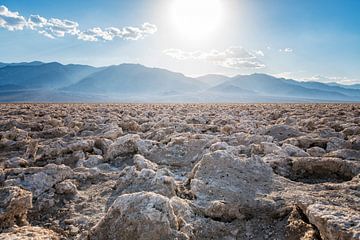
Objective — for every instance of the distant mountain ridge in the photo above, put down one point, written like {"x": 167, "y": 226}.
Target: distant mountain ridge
{"x": 36, "y": 75}
{"x": 34, "y": 63}
{"x": 54, "y": 82}
{"x": 352, "y": 86}
{"x": 134, "y": 78}
{"x": 265, "y": 85}
{"x": 213, "y": 79}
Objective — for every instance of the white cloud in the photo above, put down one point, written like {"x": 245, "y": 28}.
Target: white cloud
{"x": 149, "y": 28}
{"x": 36, "y": 21}
{"x": 108, "y": 34}
{"x": 95, "y": 34}
{"x": 11, "y": 20}
{"x": 135, "y": 33}
{"x": 259, "y": 53}
{"x": 286, "y": 50}
{"x": 233, "y": 57}
{"x": 57, "y": 28}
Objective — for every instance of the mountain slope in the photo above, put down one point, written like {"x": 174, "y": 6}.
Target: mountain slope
{"x": 135, "y": 78}
{"x": 326, "y": 87}
{"x": 266, "y": 85}
{"x": 229, "y": 88}
{"x": 37, "y": 75}
{"x": 213, "y": 79}
{"x": 37, "y": 81}
{"x": 353, "y": 86}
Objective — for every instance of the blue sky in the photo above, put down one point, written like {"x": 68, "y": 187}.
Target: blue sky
{"x": 307, "y": 39}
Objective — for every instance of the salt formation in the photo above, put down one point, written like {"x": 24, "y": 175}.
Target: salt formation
{"x": 137, "y": 171}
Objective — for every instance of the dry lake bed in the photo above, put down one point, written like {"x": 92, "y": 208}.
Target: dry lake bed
{"x": 180, "y": 171}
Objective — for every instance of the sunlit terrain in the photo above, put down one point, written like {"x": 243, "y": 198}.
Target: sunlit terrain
{"x": 180, "y": 119}
{"x": 180, "y": 171}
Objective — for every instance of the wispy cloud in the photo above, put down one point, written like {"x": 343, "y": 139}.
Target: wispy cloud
{"x": 57, "y": 28}
{"x": 286, "y": 50}
{"x": 233, "y": 57}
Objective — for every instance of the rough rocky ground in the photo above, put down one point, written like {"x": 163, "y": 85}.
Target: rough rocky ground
{"x": 261, "y": 171}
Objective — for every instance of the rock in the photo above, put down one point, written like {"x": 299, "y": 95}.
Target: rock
{"x": 143, "y": 163}
{"x": 161, "y": 134}
{"x": 316, "y": 151}
{"x": 112, "y": 132}
{"x": 315, "y": 170}
{"x": 66, "y": 187}
{"x": 145, "y": 146}
{"x": 16, "y": 162}
{"x": 142, "y": 215}
{"x": 336, "y": 144}
{"x": 45, "y": 202}
{"x": 294, "y": 151}
{"x": 82, "y": 145}
{"x": 14, "y": 205}
{"x": 131, "y": 180}
{"x": 130, "y": 126}
{"x": 30, "y": 233}
{"x": 59, "y": 148}
{"x": 91, "y": 161}
{"x": 182, "y": 151}
{"x": 355, "y": 143}
{"x": 2, "y": 177}
{"x": 97, "y": 151}
{"x": 246, "y": 139}
{"x": 300, "y": 228}
{"x": 218, "y": 146}
{"x": 55, "y": 122}
{"x": 334, "y": 222}
{"x": 351, "y": 131}
{"x": 39, "y": 180}
{"x": 55, "y": 132}
{"x": 16, "y": 134}
{"x": 329, "y": 132}
{"x": 223, "y": 211}
{"x": 73, "y": 230}
{"x": 268, "y": 148}
{"x": 307, "y": 141}
{"x": 282, "y": 132}
{"x": 241, "y": 183}
{"x": 124, "y": 145}
{"x": 227, "y": 129}
{"x": 348, "y": 154}
{"x": 103, "y": 144}
{"x": 31, "y": 150}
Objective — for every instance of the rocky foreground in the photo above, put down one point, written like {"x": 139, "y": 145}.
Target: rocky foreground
{"x": 179, "y": 171}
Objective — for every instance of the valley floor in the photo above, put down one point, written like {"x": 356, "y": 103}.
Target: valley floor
{"x": 180, "y": 171}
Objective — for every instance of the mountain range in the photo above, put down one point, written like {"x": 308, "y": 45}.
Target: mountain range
{"x": 55, "y": 82}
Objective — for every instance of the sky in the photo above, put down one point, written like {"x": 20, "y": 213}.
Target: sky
{"x": 305, "y": 40}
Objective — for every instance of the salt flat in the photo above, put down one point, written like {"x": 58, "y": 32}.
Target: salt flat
{"x": 180, "y": 171}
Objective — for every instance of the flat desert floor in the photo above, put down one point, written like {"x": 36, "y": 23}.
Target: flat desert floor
{"x": 180, "y": 171}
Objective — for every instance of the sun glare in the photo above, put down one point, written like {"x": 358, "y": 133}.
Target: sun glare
{"x": 196, "y": 19}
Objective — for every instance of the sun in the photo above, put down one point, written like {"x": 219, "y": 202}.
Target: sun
{"x": 196, "y": 19}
